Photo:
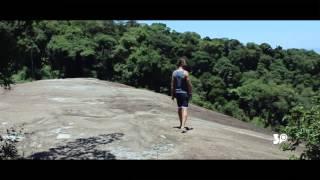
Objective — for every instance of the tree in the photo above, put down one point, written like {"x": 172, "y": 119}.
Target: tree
{"x": 245, "y": 59}
{"x": 188, "y": 42}
{"x": 269, "y": 101}
{"x": 266, "y": 61}
{"x": 159, "y": 37}
{"x": 214, "y": 47}
{"x": 231, "y": 108}
{"x": 145, "y": 68}
{"x": 213, "y": 86}
{"x": 231, "y": 45}
{"x": 74, "y": 48}
{"x": 7, "y": 45}
{"x": 304, "y": 128}
{"x": 10, "y": 32}
{"x": 267, "y": 49}
{"x": 104, "y": 55}
{"x": 200, "y": 62}
{"x": 228, "y": 72}
{"x": 278, "y": 71}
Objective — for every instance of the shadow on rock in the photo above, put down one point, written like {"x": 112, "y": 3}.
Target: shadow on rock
{"x": 80, "y": 149}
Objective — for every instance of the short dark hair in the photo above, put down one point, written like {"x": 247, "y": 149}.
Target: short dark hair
{"x": 182, "y": 61}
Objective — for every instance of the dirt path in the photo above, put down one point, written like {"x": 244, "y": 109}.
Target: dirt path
{"x": 92, "y": 119}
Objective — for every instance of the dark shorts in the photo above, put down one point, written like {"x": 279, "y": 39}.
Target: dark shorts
{"x": 182, "y": 100}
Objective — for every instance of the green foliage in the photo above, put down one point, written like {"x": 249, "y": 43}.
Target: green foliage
{"x": 5, "y": 81}
{"x": 228, "y": 72}
{"x": 267, "y": 100}
{"x": 200, "y": 62}
{"x": 304, "y": 128}
{"x": 258, "y": 121}
{"x": 8, "y": 44}
{"x": 198, "y": 100}
{"x": 48, "y": 73}
{"x": 232, "y": 108}
{"x": 22, "y": 75}
{"x": 8, "y": 144}
{"x": 72, "y": 42}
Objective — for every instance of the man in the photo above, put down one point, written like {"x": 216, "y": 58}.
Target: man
{"x": 181, "y": 89}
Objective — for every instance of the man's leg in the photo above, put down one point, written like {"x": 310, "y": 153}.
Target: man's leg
{"x": 178, "y": 96}
{"x": 184, "y": 116}
{"x": 185, "y": 110}
{"x": 180, "y": 115}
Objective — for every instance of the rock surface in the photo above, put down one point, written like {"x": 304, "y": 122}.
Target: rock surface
{"x": 92, "y": 119}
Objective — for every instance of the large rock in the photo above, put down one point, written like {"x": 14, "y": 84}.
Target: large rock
{"x": 93, "y": 119}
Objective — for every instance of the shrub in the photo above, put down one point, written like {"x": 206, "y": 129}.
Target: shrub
{"x": 47, "y": 73}
{"x": 232, "y": 109}
{"x": 304, "y": 127}
{"x": 258, "y": 121}
{"x": 5, "y": 81}
{"x": 8, "y": 142}
{"x": 21, "y": 75}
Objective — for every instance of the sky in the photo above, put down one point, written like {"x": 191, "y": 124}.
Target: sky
{"x": 287, "y": 34}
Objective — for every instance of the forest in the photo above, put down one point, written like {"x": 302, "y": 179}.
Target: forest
{"x": 251, "y": 82}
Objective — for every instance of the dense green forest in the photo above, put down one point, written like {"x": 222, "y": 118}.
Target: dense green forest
{"x": 251, "y": 82}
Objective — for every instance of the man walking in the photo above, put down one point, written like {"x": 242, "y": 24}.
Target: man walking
{"x": 181, "y": 89}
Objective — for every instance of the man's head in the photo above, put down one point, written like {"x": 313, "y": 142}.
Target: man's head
{"x": 182, "y": 62}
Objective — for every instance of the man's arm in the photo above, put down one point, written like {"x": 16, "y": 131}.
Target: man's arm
{"x": 172, "y": 87}
{"x": 189, "y": 84}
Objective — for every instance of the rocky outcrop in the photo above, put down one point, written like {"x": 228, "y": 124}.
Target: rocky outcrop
{"x": 93, "y": 119}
